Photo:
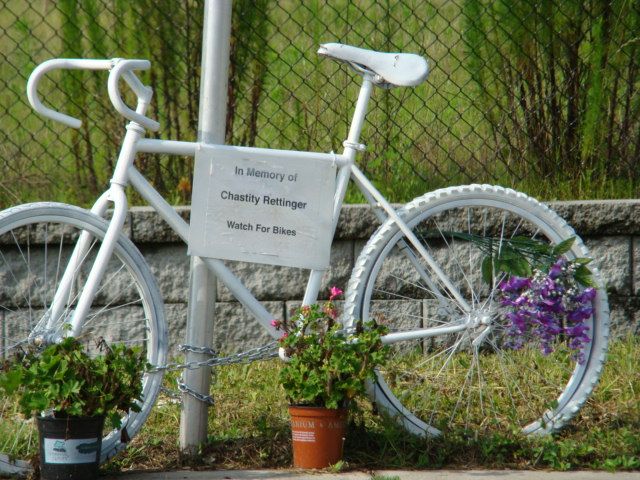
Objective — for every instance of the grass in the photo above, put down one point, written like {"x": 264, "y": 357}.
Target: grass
{"x": 249, "y": 429}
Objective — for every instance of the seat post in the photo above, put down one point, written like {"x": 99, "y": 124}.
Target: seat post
{"x": 351, "y": 146}
{"x": 352, "y": 143}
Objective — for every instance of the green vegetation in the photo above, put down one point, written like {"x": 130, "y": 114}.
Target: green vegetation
{"x": 65, "y": 381}
{"x": 249, "y": 429}
{"x": 547, "y": 103}
{"x": 558, "y": 80}
{"x": 327, "y": 367}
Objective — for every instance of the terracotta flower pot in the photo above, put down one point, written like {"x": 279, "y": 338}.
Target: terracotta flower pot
{"x": 318, "y": 436}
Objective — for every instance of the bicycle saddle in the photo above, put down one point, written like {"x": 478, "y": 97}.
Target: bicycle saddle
{"x": 399, "y": 69}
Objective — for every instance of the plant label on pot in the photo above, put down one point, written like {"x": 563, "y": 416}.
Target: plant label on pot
{"x": 81, "y": 450}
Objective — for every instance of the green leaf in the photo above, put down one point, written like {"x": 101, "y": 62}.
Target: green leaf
{"x": 530, "y": 244}
{"x": 115, "y": 419}
{"x": 582, "y": 260}
{"x": 563, "y": 247}
{"x": 508, "y": 253}
{"x": 10, "y": 381}
{"x": 521, "y": 267}
{"x": 584, "y": 276}
{"x": 36, "y": 402}
{"x": 487, "y": 270}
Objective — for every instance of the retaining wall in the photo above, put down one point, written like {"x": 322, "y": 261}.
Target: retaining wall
{"x": 611, "y": 230}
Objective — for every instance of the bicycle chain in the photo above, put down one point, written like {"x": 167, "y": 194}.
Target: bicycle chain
{"x": 259, "y": 353}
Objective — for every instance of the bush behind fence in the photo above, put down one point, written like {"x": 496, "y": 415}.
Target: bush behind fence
{"x": 541, "y": 96}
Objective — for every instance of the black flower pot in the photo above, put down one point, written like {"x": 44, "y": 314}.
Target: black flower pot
{"x": 70, "y": 447}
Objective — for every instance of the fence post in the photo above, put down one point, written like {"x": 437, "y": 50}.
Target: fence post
{"x": 202, "y": 289}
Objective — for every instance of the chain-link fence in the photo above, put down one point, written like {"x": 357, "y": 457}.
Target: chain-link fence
{"x": 542, "y": 96}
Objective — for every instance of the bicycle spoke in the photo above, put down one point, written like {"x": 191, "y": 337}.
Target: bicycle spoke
{"x": 474, "y": 299}
{"x": 470, "y": 379}
{"x": 40, "y": 243}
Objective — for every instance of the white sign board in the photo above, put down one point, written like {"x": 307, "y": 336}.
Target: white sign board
{"x": 264, "y": 206}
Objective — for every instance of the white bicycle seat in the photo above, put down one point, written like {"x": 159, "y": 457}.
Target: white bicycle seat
{"x": 399, "y": 69}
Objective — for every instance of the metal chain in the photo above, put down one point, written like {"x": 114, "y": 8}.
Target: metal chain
{"x": 208, "y": 399}
{"x": 259, "y": 353}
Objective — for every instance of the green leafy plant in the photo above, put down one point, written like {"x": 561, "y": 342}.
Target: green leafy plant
{"x": 328, "y": 365}
{"x": 64, "y": 379}
{"x": 520, "y": 256}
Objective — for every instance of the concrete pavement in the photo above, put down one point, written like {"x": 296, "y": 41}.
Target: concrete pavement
{"x": 377, "y": 475}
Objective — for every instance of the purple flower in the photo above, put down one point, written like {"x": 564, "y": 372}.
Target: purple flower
{"x": 580, "y": 314}
{"x": 587, "y": 295}
{"x": 556, "y": 269}
{"x": 514, "y": 284}
{"x": 545, "y": 307}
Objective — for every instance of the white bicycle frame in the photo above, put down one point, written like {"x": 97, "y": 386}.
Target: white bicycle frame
{"x": 126, "y": 174}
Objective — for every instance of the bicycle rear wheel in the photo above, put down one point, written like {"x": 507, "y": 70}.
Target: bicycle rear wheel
{"x": 36, "y": 241}
{"x": 470, "y": 378}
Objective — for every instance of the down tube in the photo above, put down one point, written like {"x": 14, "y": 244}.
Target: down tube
{"x": 181, "y": 227}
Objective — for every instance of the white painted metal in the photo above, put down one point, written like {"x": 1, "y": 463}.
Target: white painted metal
{"x": 123, "y": 69}
{"x": 243, "y": 295}
{"x": 359, "y": 115}
{"x": 119, "y": 198}
{"x": 116, "y": 195}
{"x": 171, "y": 147}
{"x": 127, "y": 155}
{"x": 181, "y": 227}
{"x": 422, "y": 333}
{"x": 160, "y": 205}
{"x": 58, "y": 304}
{"x": 211, "y": 125}
{"x": 56, "y": 64}
{"x": 344, "y": 173}
{"x": 365, "y": 184}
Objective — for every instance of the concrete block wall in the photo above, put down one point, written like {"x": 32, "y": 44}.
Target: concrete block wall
{"x": 611, "y": 229}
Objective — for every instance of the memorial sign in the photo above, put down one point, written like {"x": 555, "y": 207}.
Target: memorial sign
{"x": 263, "y": 206}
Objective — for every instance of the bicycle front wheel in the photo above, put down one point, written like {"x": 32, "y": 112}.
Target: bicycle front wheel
{"x": 36, "y": 242}
{"x": 466, "y": 374}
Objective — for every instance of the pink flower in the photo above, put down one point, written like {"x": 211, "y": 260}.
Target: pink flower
{"x": 276, "y": 324}
{"x": 335, "y": 291}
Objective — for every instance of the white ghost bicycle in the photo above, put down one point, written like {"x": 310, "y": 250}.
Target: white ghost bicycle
{"x": 458, "y": 359}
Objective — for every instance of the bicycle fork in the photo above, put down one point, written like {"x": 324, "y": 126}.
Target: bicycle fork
{"x": 61, "y": 321}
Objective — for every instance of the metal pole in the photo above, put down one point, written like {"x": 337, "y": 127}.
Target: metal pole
{"x": 202, "y": 290}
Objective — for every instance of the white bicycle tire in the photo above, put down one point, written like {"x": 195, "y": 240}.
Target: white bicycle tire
{"x": 370, "y": 262}
{"x": 151, "y": 302}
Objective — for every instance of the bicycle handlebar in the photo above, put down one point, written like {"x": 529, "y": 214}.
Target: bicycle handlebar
{"x": 119, "y": 68}
{"x": 55, "y": 64}
{"x": 123, "y": 68}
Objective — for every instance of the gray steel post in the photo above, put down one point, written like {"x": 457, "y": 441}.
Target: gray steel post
{"x": 202, "y": 291}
